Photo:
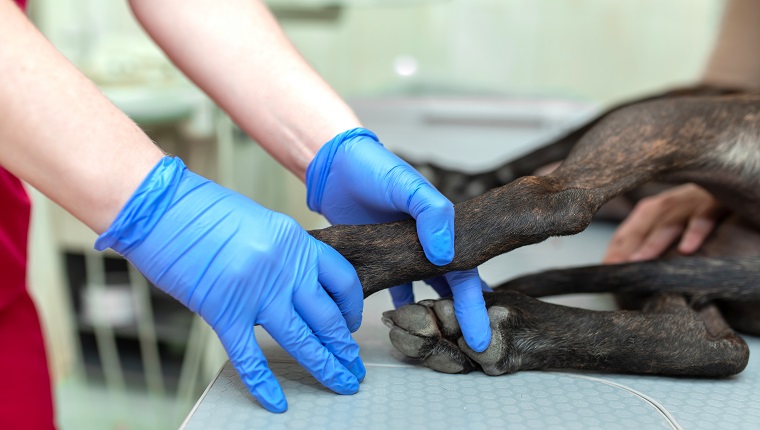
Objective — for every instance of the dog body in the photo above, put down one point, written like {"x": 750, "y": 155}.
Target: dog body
{"x": 678, "y": 311}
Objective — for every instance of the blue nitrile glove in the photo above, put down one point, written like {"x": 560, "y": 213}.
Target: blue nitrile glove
{"x": 404, "y": 294}
{"x": 353, "y": 179}
{"x": 238, "y": 264}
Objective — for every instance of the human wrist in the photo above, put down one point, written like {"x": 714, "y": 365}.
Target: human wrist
{"x": 144, "y": 208}
{"x": 320, "y": 166}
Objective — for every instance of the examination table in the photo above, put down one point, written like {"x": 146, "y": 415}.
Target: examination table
{"x": 398, "y": 393}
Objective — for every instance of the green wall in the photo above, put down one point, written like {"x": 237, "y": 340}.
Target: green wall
{"x": 599, "y": 50}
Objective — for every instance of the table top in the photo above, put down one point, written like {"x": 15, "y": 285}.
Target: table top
{"x": 399, "y": 393}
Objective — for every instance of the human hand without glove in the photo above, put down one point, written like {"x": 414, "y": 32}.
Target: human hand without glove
{"x": 353, "y": 179}
{"x": 686, "y": 213}
{"x": 238, "y": 264}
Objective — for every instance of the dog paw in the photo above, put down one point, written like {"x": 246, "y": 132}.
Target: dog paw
{"x": 428, "y": 331}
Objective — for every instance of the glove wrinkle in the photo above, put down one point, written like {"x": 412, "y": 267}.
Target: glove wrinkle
{"x": 238, "y": 265}
{"x": 354, "y": 179}
{"x": 145, "y": 208}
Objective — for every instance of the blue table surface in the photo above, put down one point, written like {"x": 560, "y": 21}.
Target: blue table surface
{"x": 398, "y": 393}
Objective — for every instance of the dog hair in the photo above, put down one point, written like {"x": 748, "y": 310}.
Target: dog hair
{"x": 679, "y": 313}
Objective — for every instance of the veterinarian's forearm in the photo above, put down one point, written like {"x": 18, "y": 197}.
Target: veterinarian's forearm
{"x": 59, "y": 133}
{"x": 734, "y": 61}
{"x": 237, "y": 53}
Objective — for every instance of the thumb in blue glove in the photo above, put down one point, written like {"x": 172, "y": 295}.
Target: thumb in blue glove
{"x": 353, "y": 179}
{"x": 238, "y": 264}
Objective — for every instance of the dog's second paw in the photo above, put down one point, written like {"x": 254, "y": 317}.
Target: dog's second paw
{"x": 429, "y": 331}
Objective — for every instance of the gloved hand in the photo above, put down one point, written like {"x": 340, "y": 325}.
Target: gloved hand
{"x": 238, "y": 264}
{"x": 353, "y": 179}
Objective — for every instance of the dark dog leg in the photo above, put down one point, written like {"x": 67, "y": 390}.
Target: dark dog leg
{"x": 725, "y": 271}
{"x": 730, "y": 282}
{"x": 710, "y": 141}
{"x": 742, "y": 316}
{"x": 682, "y": 346}
{"x": 700, "y": 278}
{"x": 727, "y": 282}
{"x": 666, "y": 337}
{"x": 460, "y": 186}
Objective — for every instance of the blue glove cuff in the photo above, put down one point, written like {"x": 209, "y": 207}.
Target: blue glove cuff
{"x": 145, "y": 208}
{"x": 319, "y": 168}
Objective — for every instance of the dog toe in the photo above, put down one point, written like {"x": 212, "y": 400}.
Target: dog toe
{"x": 414, "y": 330}
{"x": 417, "y": 332}
{"x": 492, "y": 359}
{"x": 444, "y": 310}
{"x": 412, "y": 345}
{"x": 446, "y": 357}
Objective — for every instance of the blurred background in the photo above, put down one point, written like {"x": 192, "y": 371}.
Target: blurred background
{"x": 487, "y": 78}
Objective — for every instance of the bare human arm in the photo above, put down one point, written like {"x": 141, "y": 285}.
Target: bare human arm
{"x": 238, "y": 54}
{"x": 59, "y": 133}
{"x": 215, "y": 251}
{"x": 734, "y": 61}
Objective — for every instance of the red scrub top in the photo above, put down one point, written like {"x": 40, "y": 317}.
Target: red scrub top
{"x": 25, "y": 395}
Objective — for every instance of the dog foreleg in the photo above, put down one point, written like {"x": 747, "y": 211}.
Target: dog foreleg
{"x": 460, "y": 186}
{"x": 701, "y": 278}
{"x": 692, "y": 139}
{"x": 666, "y": 337}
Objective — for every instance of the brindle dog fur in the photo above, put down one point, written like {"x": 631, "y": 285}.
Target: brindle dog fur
{"x": 679, "y": 313}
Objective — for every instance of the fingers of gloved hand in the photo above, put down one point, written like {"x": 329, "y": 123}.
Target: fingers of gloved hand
{"x": 435, "y": 222}
{"x": 470, "y": 308}
{"x": 402, "y": 295}
{"x": 339, "y": 279}
{"x": 440, "y": 285}
{"x": 251, "y": 364}
{"x": 292, "y": 333}
{"x": 320, "y": 313}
